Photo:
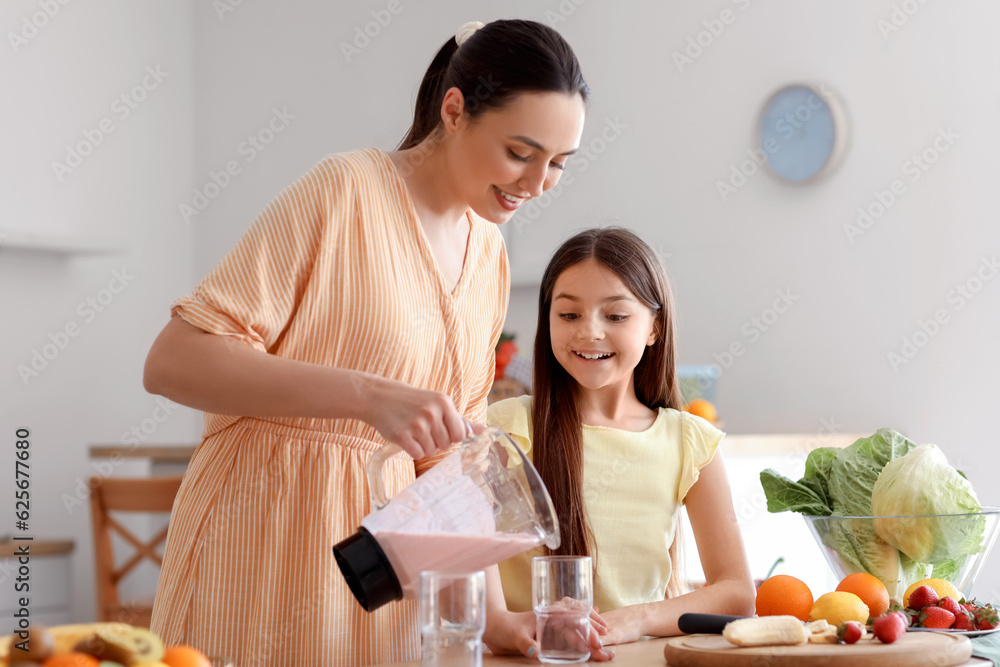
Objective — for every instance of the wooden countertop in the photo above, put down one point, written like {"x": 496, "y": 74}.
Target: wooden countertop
{"x": 645, "y": 653}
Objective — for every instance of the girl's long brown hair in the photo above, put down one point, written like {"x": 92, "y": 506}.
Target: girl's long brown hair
{"x": 557, "y": 438}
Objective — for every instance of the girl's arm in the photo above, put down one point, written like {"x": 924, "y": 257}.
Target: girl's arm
{"x": 218, "y": 374}
{"x": 729, "y": 587}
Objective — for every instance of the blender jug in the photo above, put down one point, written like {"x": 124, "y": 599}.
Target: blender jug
{"x": 481, "y": 504}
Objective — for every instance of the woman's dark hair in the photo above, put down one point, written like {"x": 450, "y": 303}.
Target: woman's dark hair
{"x": 557, "y": 437}
{"x": 495, "y": 64}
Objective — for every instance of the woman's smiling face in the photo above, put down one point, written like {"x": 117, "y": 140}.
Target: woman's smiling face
{"x": 506, "y": 156}
{"x": 599, "y": 329}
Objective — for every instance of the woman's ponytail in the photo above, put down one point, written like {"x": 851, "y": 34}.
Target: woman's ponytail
{"x": 427, "y": 113}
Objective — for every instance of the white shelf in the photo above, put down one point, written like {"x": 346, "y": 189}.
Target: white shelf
{"x": 59, "y": 243}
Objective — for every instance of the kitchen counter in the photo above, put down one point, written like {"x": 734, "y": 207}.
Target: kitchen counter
{"x": 645, "y": 653}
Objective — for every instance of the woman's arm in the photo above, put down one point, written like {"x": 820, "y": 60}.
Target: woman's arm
{"x": 223, "y": 375}
{"x": 729, "y": 587}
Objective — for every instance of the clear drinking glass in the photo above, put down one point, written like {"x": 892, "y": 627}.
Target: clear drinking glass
{"x": 452, "y": 618}
{"x": 562, "y": 595}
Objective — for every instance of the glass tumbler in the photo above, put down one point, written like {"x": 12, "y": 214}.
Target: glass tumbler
{"x": 562, "y": 595}
{"x": 452, "y": 616}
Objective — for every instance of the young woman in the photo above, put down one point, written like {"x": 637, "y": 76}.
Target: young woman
{"x": 618, "y": 457}
{"x": 362, "y": 306}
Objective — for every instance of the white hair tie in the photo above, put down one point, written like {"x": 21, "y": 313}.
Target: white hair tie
{"x": 465, "y": 32}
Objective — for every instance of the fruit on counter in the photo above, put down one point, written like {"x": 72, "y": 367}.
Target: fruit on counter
{"x": 923, "y": 596}
{"x": 941, "y": 587}
{"x": 951, "y": 604}
{"x": 839, "y": 607}
{"x": 72, "y": 659}
{"x": 935, "y": 617}
{"x": 889, "y": 627}
{"x": 964, "y": 620}
{"x": 185, "y": 656}
{"x": 784, "y": 595}
{"x": 766, "y": 631}
{"x": 126, "y": 645}
{"x": 851, "y": 632}
{"x": 100, "y": 645}
{"x": 985, "y": 616}
{"x": 34, "y": 644}
{"x": 869, "y": 588}
{"x": 67, "y": 636}
{"x": 841, "y": 483}
{"x": 702, "y": 408}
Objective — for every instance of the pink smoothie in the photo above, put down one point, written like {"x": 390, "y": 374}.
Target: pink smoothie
{"x": 411, "y": 553}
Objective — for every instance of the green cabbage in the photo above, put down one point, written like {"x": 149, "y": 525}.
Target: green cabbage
{"x": 923, "y": 483}
{"x": 842, "y": 483}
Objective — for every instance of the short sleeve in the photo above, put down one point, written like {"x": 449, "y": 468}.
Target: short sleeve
{"x": 252, "y": 294}
{"x": 513, "y": 415}
{"x": 699, "y": 440}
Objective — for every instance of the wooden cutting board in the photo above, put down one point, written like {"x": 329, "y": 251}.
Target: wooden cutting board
{"x": 910, "y": 650}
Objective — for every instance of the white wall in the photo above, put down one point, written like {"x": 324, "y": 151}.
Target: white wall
{"x": 674, "y": 135}
{"x": 63, "y": 82}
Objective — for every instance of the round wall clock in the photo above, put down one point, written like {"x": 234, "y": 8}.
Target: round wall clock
{"x": 803, "y": 132}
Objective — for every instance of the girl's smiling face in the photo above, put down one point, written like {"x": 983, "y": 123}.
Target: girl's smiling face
{"x": 599, "y": 329}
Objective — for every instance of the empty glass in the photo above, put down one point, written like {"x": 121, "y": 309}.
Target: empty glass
{"x": 452, "y": 618}
{"x": 562, "y": 595}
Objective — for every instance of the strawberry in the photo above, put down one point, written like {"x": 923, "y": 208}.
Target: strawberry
{"x": 925, "y": 596}
{"x": 936, "y": 617}
{"x": 964, "y": 621}
{"x": 986, "y": 617}
{"x": 850, "y": 632}
{"x": 951, "y": 604}
{"x": 889, "y": 627}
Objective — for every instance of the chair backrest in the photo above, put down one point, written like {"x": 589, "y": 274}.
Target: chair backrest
{"x": 150, "y": 494}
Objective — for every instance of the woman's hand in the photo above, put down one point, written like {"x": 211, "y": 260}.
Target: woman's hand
{"x": 418, "y": 420}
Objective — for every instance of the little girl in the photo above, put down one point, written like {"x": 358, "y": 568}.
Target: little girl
{"x": 617, "y": 456}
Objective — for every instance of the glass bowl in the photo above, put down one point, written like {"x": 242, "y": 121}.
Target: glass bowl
{"x": 900, "y": 550}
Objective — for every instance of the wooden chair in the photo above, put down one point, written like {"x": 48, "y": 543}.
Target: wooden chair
{"x": 153, "y": 494}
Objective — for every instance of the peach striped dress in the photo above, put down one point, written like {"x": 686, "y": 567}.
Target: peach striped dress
{"x": 337, "y": 271}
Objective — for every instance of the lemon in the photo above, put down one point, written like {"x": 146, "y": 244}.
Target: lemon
{"x": 943, "y": 588}
{"x": 839, "y": 607}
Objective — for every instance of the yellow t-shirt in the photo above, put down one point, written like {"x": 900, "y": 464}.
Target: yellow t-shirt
{"x": 634, "y": 484}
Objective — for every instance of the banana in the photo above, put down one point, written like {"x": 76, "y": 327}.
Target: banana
{"x": 827, "y": 635}
{"x": 817, "y": 626}
{"x": 766, "y": 631}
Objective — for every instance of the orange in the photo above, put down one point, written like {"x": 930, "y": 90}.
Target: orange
{"x": 72, "y": 660}
{"x": 783, "y": 595}
{"x": 185, "y": 656}
{"x": 838, "y": 607}
{"x": 703, "y": 409}
{"x": 943, "y": 588}
{"x": 870, "y": 589}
